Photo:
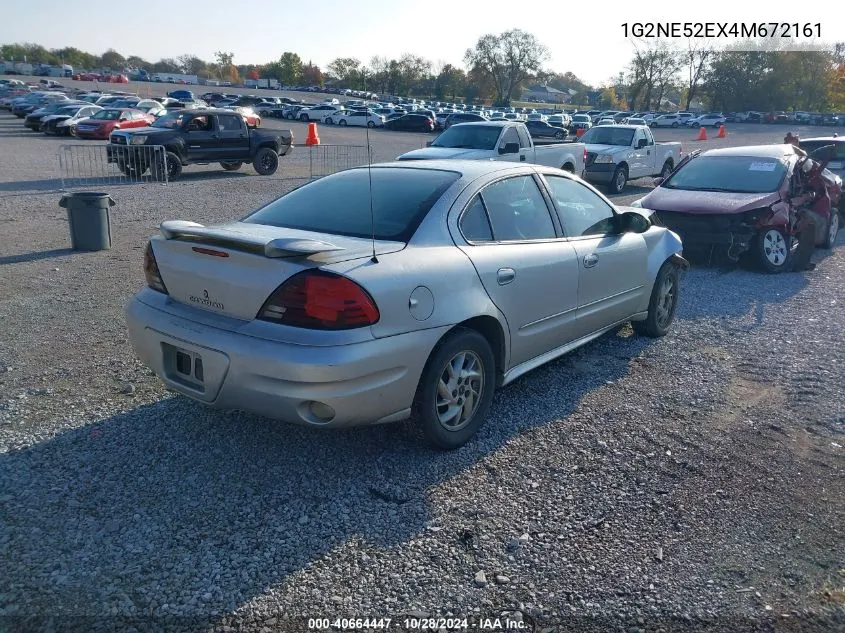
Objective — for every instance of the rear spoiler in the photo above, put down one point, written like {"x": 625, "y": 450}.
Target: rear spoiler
{"x": 279, "y": 247}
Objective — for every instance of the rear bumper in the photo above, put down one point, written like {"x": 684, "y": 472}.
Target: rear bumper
{"x": 364, "y": 383}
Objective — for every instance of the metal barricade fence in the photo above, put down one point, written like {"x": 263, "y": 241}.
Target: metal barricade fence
{"x": 328, "y": 159}
{"x": 89, "y": 165}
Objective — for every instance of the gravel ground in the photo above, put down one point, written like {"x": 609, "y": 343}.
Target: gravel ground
{"x": 689, "y": 483}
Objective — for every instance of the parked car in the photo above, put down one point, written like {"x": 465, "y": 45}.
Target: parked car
{"x": 305, "y": 317}
{"x": 317, "y": 112}
{"x": 619, "y": 153}
{"x": 542, "y": 129}
{"x": 198, "y": 137}
{"x": 462, "y": 117}
{"x": 101, "y": 124}
{"x": 580, "y": 122}
{"x": 667, "y": 120}
{"x": 714, "y": 120}
{"x": 755, "y": 200}
{"x": 361, "y": 118}
{"x": 410, "y": 123}
{"x": 507, "y": 141}
{"x": 33, "y": 119}
{"x": 837, "y": 162}
{"x": 63, "y": 120}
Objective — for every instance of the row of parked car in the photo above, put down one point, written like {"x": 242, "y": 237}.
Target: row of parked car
{"x": 95, "y": 115}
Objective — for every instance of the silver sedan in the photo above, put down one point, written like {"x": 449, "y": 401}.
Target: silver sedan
{"x": 408, "y": 289}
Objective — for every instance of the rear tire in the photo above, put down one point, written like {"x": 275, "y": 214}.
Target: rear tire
{"x": 832, "y": 229}
{"x": 233, "y": 166}
{"x": 559, "y": 135}
{"x": 459, "y": 374}
{"x": 663, "y": 303}
{"x": 266, "y": 161}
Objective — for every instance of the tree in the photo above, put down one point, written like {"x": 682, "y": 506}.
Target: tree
{"x": 609, "y": 100}
{"x": 450, "y": 83}
{"x": 290, "y": 68}
{"x": 697, "y": 59}
{"x": 167, "y": 65}
{"x": 651, "y": 72}
{"x": 191, "y": 64}
{"x": 253, "y": 74}
{"x": 508, "y": 59}
{"x": 312, "y": 75}
{"x": 346, "y": 70}
{"x": 113, "y": 60}
{"x": 224, "y": 62}
{"x": 379, "y": 72}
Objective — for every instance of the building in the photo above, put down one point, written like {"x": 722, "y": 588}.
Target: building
{"x": 545, "y": 94}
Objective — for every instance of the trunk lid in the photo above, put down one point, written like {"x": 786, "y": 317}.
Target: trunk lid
{"x": 232, "y": 269}
{"x": 707, "y": 202}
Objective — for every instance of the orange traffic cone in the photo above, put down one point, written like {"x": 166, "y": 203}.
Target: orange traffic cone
{"x": 313, "y": 138}
{"x": 722, "y": 133}
{"x": 702, "y": 134}
{"x": 579, "y": 132}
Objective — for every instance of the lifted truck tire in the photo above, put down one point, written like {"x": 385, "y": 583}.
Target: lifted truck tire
{"x": 232, "y": 166}
{"x": 266, "y": 161}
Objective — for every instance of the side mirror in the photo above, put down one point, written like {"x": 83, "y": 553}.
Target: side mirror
{"x": 632, "y": 222}
{"x": 509, "y": 148}
{"x": 657, "y": 181}
{"x": 642, "y": 143}
{"x": 429, "y": 144}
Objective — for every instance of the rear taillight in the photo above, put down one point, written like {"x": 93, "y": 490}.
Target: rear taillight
{"x": 322, "y": 301}
{"x": 154, "y": 279}
{"x": 585, "y": 155}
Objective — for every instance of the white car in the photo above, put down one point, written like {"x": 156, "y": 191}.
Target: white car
{"x": 704, "y": 120}
{"x": 151, "y": 106}
{"x": 317, "y": 113}
{"x": 667, "y": 120}
{"x": 361, "y": 118}
{"x": 606, "y": 121}
{"x": 635, "y": 121}
{"x": 67, "y": 127}
{"x": 685, "y": 116}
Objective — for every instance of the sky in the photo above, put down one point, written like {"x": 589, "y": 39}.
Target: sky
{"x": 582, "y": 38}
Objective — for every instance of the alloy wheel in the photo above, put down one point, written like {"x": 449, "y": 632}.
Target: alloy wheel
{"x": 774, "y": 247}
{"x": 666, "y": 302}
{"x": 459, "y": 390}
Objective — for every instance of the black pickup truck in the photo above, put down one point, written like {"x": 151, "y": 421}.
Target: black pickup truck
{"x": 196, "y": 137}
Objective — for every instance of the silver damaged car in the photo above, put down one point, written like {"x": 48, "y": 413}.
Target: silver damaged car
{"x": 407, "y": 289}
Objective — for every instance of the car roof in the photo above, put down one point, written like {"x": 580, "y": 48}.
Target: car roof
{"x": 757, "y": 151}
{"x": 467, "y": 168}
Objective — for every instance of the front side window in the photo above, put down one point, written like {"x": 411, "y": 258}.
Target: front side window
{"x": 582, "y": 211}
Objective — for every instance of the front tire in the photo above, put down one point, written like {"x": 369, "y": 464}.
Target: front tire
{"x": 772, "y": 250}
{"x": 675, "y": 124}
{"x": 619, "y": 180}
{"x": 342, "y": 123}
{"x": 169, "y": 165}
{"x": 266, "y": 161}
{"x": 558, "y": 135}
{"x": 663, "y": 303}
{"x": 455, "y": 389}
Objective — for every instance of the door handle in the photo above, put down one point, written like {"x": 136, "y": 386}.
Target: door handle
{"x": 590, "y": 260}
{"x": 505, "y": 276}
{"x": 522, "y": 157}
{"x": 648, "y": 152}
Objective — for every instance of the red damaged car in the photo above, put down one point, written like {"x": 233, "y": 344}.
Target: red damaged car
{"x": 773, "y": 203}
{"x": 103, "y": 123}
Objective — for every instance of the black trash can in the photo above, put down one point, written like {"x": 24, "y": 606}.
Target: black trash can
{"x": 89, "y": 220}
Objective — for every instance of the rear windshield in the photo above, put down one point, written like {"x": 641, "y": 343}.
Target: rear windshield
{"x": 811, "y": 146}
{"x": 469, "y": 137}
{"x": 739, "y": 174}
{"x": 340, "y": 204}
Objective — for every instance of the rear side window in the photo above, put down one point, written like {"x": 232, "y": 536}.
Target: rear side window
{"x": 340, "y": 204}
{"x": 475, "y": 226}
{"x": 228, "y": 122}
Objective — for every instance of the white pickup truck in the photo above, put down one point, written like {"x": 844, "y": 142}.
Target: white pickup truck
{"x": 619, "y": 153}
{"x": 501, "y": 140}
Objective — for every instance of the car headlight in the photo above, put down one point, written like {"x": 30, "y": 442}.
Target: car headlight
{"x": 637, "y": 203}
{"x": 137, "y": 140}
{"x": 603, "y": 158}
